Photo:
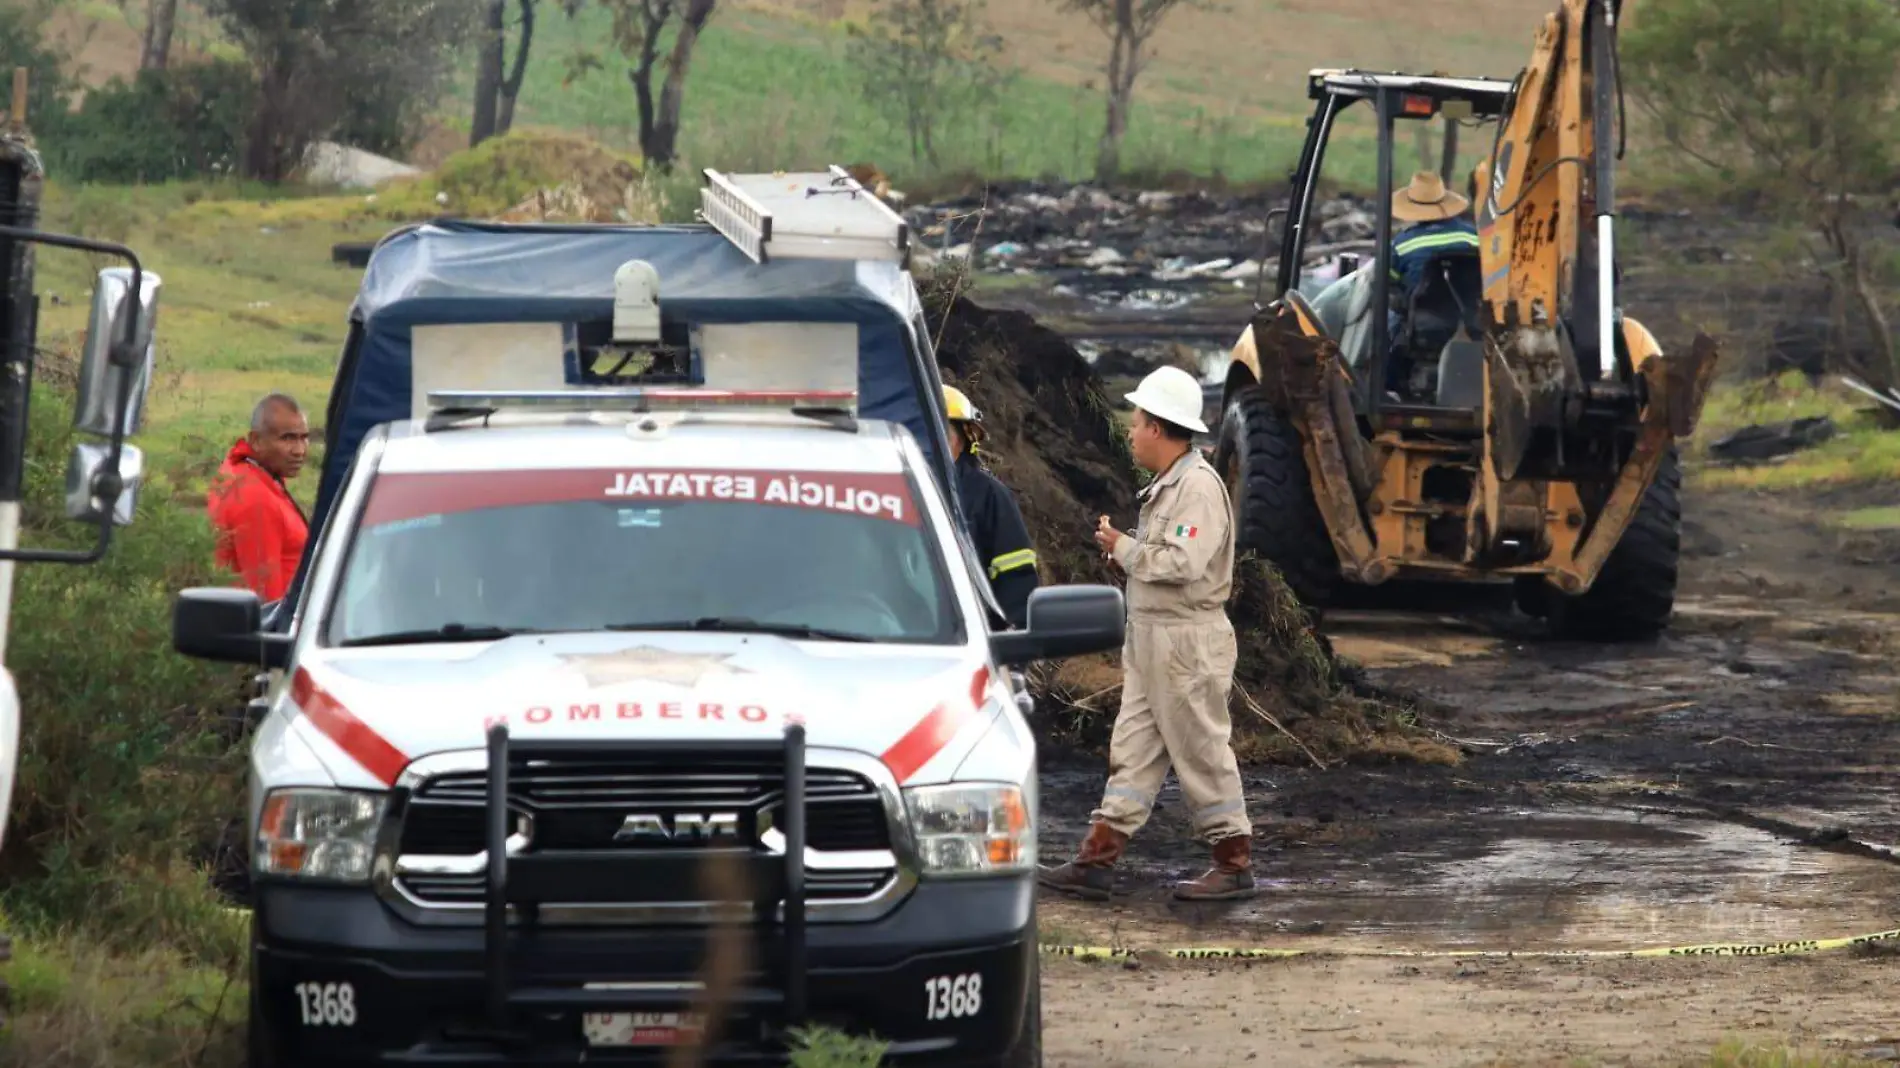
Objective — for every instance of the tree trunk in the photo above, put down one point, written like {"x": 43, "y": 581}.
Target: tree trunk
{"x": 269, "y": 153}
{"x": 511, "y": 85}
{"x": 1886, "y": 373}
{"x": 1121, "y": 88}
{"x": 488, "y": 62}
{"x": 664, "y": 146}
{"x": 160, "y": 18}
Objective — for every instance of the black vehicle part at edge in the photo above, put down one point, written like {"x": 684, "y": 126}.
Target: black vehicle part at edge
{"x": 22, "y": 177}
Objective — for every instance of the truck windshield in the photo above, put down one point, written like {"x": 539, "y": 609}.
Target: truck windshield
{"x": 471, "y": 556}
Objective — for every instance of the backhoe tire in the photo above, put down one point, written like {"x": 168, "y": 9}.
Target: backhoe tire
{"x": 1635, "y": 592}
{"x": 1264, "y": 465}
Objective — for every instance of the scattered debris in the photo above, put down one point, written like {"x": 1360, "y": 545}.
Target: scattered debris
{"x": 1890, "y": 399}
{"x": 1768, "y": 440}
{"x": 1146, "y": 251}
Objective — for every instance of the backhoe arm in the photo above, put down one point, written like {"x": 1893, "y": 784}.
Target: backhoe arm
{"x": 1543, "y": 269}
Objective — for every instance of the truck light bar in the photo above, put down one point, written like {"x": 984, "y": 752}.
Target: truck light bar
{"x": 826, "y": 215}
{"x": 642, "y": 399}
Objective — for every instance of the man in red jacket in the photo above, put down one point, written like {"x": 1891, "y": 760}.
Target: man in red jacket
{"x": 261, "y": 530}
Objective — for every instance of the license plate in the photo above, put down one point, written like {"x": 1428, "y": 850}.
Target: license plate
{"x": 642, "y": 1028}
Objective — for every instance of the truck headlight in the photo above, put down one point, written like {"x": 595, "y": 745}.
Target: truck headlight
{"x": 318, "y": 833}
{"x": 971, "y": 830}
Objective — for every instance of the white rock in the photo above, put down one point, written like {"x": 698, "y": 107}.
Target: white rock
{"x": 329, "y": 163}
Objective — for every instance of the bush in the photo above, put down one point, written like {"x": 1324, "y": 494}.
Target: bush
{"x": 182, "y": 122}
{"x": 126, "y": 783}
{"x": 501, "y": 172}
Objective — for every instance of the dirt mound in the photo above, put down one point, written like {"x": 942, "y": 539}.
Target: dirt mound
{"x": 531, "y": 176}
{"x": 1055, "y": 439}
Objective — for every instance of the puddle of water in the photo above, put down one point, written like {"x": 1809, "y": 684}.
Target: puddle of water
{"x": 1588, "y": 878}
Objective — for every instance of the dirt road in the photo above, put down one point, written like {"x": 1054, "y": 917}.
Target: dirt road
{"x": 1733, "y": 782}
{"x": 1388, "y": 1013}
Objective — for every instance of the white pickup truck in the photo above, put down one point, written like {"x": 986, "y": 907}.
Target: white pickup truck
{"x": 564, "y": 646}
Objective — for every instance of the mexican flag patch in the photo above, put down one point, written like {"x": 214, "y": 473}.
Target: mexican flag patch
{"x": 1184, "y": 531}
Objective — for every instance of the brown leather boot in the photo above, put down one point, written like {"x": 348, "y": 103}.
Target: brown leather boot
{"x": 1231, "y": 878}
{"x": 1088, "y": 874}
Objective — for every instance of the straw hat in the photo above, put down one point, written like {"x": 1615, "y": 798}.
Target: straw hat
{"x": 1427, "y": 200}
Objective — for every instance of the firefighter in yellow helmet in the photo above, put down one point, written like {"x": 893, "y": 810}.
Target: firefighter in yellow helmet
{"x": 995, "y": 521}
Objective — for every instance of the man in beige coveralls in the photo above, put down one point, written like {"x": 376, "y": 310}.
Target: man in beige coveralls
{"x": 1178, "y": 659}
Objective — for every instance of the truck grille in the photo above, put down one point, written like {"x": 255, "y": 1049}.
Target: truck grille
{"x": 580, "y": 804}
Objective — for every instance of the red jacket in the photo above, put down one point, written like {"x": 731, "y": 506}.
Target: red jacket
{"x": 261, "y": 531}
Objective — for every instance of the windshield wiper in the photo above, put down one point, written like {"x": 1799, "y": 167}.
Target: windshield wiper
{"x": 447, "y": 632}
{"x": 740, "y": 624}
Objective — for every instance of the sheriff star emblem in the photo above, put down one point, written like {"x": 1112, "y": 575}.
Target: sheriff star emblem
{"x": 645, "y": 663}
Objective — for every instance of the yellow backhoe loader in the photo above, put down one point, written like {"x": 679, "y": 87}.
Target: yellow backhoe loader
{"x": 1527, "y": 431}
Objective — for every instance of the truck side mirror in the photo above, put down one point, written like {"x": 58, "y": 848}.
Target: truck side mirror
{"x": 115, "y": 377}
{"x": 110, "y": 357}
{"x": 223, "y": 623}
{"x": 91, "y": 492}
{"x": 1064, "y": 621}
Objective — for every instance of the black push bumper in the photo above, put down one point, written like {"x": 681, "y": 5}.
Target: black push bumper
{"x": 339, "y": 978}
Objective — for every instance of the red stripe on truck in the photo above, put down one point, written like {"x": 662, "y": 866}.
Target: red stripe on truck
{"x": 341, "y": 726}
{"x": 934, "y": 731}
{"x": 404, "y": 496}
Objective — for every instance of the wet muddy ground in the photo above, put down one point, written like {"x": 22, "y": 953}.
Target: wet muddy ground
{"x": 1735, "y": 781}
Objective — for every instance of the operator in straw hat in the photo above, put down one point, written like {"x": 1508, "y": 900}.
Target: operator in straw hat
{"x": 1433, "y": 220}
{"x": 1434, "y": 223}
{"x": 1178, "y": 658}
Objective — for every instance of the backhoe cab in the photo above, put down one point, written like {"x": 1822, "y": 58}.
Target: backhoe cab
{"x": 1527, "y": 432}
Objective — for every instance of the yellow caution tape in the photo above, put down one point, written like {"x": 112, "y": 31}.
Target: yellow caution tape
{"x": 1721, "y": 949}
{"x": 1718, "y": 949}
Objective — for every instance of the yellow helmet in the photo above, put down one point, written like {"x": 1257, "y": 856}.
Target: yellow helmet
{"x": 957, "y": 407}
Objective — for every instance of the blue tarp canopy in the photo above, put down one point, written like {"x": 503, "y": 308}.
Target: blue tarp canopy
{"x": 451, "y": 272}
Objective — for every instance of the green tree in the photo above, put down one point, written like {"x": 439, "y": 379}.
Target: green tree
{"x": 1130, "y": 26}
{"x": 365, "y": 71}
{"x": 640, "y": 33}
{"x": 1794, "y": 100}
{"x": 928, "y": 59}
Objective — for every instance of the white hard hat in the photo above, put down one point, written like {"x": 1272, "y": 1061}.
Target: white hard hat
{"x": 1172, "y": 394}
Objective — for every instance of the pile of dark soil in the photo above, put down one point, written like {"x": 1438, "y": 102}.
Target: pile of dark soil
{"x": 1054, "y": 438}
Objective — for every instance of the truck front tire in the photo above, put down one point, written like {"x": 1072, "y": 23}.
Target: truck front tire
{"x": 1262, "y": 460}
{"x": 1027, "y": 1053}
{"x": 262, "y": 1050}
